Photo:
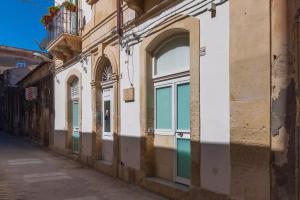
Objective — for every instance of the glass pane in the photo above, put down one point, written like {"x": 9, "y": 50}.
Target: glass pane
{"x": 183, "y": 107}
{"x": 75, "y": 115}
{"x": 164, "y": 108}
{"x": 107, "y": 116}
{"x": 183, "y": 158}
{"x": 173, "y": 57}
{"x": 76, "y": 141}
{"x": 74, "y": 89}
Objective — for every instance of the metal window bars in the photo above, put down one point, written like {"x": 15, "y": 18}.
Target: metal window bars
{"x": 65, "y": 21}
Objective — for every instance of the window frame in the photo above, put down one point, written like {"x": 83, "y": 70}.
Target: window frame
{"x": 75, "y": 87}
{"x": 164, "y": 131}
{"x": 109, "y": 97}
{"x": 21, "y": 64}
{"x": 176, "y": 106}
{"x": 173, "y": 84}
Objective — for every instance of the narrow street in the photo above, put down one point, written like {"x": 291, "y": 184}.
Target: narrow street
{"x": 30, "y": 173}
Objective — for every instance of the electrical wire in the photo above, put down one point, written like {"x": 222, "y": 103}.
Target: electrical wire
{"x": 127, "y": 67}
{"x": 166, "y": 18}
{"x": 172, "y": 13}
{"x": 169, "y": 18}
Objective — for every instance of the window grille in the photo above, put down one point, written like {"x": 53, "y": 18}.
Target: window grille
{"x": 75, "y": 89}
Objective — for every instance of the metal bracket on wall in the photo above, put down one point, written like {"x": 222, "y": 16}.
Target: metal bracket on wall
{"x": 202, "y": 51}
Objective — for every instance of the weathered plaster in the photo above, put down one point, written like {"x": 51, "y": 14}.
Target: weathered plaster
{"x": 285, "y": 83}
{"x": 250, "y": 99}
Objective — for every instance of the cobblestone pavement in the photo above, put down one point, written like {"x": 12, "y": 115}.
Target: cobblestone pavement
{"x": 30, "y": 173}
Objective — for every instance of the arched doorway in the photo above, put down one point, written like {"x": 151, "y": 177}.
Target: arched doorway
{"x": 159, "y": 152}
{"x": 105, "y": 109}
{"x": 107, "y": 105}
{"x": 75, "y": 116}
{"x": 171, "y": 81}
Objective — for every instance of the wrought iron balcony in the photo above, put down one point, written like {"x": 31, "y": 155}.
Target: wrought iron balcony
{"x": 63, "y": 34}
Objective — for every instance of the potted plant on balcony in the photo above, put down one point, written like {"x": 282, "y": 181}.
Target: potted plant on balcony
{"x": 46, "y": 20}
{"x": 70, "y": 6}
{"x": 53, "y": 10}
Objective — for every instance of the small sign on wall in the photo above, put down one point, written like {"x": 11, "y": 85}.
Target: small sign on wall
{"x": 31, "y": 93}
{"x": 128, "y": 94}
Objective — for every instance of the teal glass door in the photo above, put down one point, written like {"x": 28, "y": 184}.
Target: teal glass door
{"x": 183, "y": 159}
{"x": 183, "y": 154}
{"x": 76, "y": 135}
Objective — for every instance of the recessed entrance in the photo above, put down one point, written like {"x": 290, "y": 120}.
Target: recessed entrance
{"x": 107, "y": 121}
{"x": 170, "y": 76}
{"x": 105, "y": 109}
{"x": 75, "y": 117}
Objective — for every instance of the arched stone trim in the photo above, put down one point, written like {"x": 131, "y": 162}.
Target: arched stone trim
{"x": 99, "y": 61}
{"x": 100, "y": 57}
{"x": 191, "y": 26}
{"x": 71, "y": 76}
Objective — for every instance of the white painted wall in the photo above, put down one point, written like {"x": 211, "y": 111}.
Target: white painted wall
{"x": 130, "y": 111}
{"x": 214, "y": 101}
{"x": 214, "y": 91}
{"x": 86, "y": 92}
{"x": 86, "y": 11}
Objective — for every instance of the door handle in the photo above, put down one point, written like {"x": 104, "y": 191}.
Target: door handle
{"x": 180, "y": 134}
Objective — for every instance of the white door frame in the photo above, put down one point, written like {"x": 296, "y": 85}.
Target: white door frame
{"x": 182, "y": 134}
{"x": 173, "y": 83}
{"x": 107, "y": 95}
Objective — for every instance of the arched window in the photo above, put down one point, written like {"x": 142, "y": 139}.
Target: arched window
{"x": 172, "y": 56}
{"x": 107, "y": 72}
{"x": 74, "y": 89}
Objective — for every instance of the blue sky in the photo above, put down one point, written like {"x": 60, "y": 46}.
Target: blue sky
{"x": 20, "y": 22}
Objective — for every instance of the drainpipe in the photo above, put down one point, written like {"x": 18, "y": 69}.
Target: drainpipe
{"x": 119, "y": 18}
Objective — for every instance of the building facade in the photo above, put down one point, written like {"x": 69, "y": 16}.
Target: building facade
{"x": 189, "y": 99}
{"x": 36, "y": 97}
{"x": 15, "y": 64}
{"x": 11, "y": 57}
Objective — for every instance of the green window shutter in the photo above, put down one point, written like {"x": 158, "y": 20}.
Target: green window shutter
{"x": 183, "y": 106}
{"x": 164, "y": 108}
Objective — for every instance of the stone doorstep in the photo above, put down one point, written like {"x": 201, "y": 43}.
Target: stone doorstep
{"x": 167, "y": 188}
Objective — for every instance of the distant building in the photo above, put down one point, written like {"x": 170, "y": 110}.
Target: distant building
{"x": 12, "y": 57}
{"x": 36, "y": 109}
{"x": 15, "y": 64}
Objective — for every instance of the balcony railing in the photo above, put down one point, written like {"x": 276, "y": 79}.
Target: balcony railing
{"x": 64, "y": 22}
